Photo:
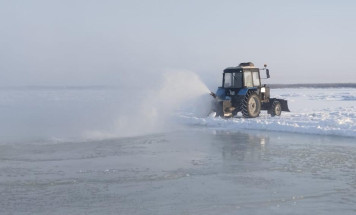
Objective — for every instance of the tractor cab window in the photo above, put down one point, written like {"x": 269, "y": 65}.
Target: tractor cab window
{"x": 256, "y": 79}
{"x": 227, "y": 80}
{"x": 248, "y": 79}
{"x": 233, "y": 80}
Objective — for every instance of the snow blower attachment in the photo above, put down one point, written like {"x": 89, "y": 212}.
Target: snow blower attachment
{"x": 241, "y": 91}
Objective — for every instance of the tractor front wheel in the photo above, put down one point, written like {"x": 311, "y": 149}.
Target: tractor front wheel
{"x": 251, "y": 106}
{"x": 276, "y": 108}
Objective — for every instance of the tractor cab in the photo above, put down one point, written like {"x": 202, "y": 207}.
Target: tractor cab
{"x": 241, "y": 77}
{"x": 236, "y": 80}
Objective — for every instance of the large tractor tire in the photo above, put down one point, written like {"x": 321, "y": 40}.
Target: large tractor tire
{"x": 251, "y": 106}
{"x": 276, "y": 108}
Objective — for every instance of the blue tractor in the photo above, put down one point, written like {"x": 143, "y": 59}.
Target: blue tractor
{"x": 242, "y": 91}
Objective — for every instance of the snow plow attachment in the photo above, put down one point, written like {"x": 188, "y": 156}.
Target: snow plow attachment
{"x": 284, "y": 104}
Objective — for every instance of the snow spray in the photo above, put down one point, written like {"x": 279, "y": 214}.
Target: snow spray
{"x": 155, "y": 110}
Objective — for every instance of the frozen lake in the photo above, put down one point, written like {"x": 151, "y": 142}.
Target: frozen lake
{"x": 185, "y": 172}
{"x": 62, "y": 152}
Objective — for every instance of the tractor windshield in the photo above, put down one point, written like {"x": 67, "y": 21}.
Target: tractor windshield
{"x": 252, "y": 78}
{"x": 233, "y": 80}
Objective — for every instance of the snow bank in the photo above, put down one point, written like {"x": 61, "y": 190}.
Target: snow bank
{"x": 314, "y": 111}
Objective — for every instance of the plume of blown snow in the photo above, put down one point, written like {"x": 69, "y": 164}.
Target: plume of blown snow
{"x": 154, "y": 110}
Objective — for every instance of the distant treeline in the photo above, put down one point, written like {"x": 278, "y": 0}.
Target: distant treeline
{"x": 330, "y": 85}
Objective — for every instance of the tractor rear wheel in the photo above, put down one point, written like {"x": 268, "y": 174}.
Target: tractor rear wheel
{"x": 276, "y": 108}
{"x": 251, "y": 106}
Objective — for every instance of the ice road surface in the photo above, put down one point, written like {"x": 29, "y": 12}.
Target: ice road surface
{"x": 200, "y": 171}
{"x": 329, "y": 111}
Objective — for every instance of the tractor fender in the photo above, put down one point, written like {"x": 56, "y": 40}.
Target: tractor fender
{"x": 221, "y": 93}
{"x": 244, "y": 91}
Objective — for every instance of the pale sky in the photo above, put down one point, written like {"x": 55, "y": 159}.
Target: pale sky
{"x": 129, "y": 43}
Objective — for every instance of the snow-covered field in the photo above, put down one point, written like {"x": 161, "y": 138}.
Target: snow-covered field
{"x": 329, "y": 111}
{"x": 97, "y": 151}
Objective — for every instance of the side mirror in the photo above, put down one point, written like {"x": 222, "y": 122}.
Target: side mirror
{"x": 267, "y": 73}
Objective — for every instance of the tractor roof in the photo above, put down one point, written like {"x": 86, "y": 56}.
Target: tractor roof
{"x": 233, "y": 69}
{"x": 240, "y": 67}
{"x": 248, "y": 64}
